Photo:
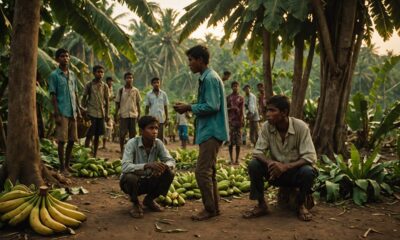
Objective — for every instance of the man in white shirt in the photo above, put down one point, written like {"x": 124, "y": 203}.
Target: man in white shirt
{"x": 251, "y": 110}
{"x": 156, "y": 102}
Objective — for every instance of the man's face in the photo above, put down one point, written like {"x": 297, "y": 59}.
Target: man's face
{"x": 150, "y": 132}
{"x": 235, "y": 88}
{"x": 156, "y": 85}
{"x": 260, "y": 88}
{"x": 99, "y": 73}
{"x": 63, "y": 59}
{"x": 129, "y": 79}
{"x": 247, "y": 90}
{"x": 109, "y": 83}
{"x": 274, "y": 115}
{"x": 226, "y": 77}
{"x": 195, "y": 64}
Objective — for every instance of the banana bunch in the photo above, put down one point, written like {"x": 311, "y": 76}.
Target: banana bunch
{"x": 47, "y": 215}
{"x": 92, "y": 167}
{"x": 185, "y": 158}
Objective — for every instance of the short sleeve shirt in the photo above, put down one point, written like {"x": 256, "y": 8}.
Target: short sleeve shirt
{"x": 156, "y": 104}
{"x": 235, "y": 104}
{"x": 97, "y": 94}
{"x": 297, "y": 145}
{"x": 64, "y": 88}
{"x": 128, "y": 102}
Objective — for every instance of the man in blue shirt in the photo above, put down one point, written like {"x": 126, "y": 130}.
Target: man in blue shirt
{"x": 63, "y": 88}
{"x": 211, "y": 127}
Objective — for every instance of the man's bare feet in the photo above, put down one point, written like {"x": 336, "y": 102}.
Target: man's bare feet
{"x": 203, "y": 215}
{"x": 304, "y": 214}
{"x": 256, "y": 212}
{"x": 136, "y": 211}
{"x": 152, "y": 205}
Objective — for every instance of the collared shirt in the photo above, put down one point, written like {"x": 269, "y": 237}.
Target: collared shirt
{"x": 94, "y": 97}
{"x": 156, "y": 104}
{"x": 210, "y": 109}
{"x": 64, "y": 88}
{"x": 135, "y": 155}
{"x": 128, "y": 102}
{"x": 235, "y": 104}
{"x": 250, "y": 103}
{"x": 297, "y": 145}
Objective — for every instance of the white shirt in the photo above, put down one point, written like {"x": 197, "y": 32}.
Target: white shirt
{"x": 156, "y": 104}
{"x": 181, "y": 119}
{"x": 250, "y": 103}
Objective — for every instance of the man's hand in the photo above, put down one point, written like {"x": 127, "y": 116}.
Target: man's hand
{"x": 157, "y": 167}
{"x": 276, "y": 169}
{"x": 182, "y": 107}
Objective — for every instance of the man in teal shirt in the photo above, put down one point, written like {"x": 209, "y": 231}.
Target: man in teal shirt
{"x": 63, "y": 88}
{"x": 211, "y": 127}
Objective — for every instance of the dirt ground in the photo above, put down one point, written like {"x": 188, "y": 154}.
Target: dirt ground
{"x": 108, "y": 218}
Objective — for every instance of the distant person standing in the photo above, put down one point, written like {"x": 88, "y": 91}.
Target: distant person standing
{"x": 63, "y": 91}
{"x": 235, "y": 104}
{"x": 127, "y": 109}
{"x": 182, "y": 122}
{"x": 156, "y": 102}
{"x": 110, "y": 122}
{"x": 262, "y": 101}
{"x": 95, "y": 99}
{"x": 251, "y": 109}
{"x": 226, "y": 76}
{"x": 211, "y": 128}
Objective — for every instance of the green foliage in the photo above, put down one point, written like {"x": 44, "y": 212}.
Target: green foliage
{"x": 362, "y": 178}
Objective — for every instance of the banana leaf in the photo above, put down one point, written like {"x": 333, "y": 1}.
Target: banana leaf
{"x": 332, "y": 191}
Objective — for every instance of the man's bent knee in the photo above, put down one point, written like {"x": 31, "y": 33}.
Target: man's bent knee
{"x": 254, "y": 166}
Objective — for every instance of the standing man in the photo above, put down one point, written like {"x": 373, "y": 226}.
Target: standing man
{"x": 156, "y": 102}
{"x": 250, "y": 103}
{"x": 127, "y": 109}
{"x": 109, "y": 123}
{"x": 96, "y": 102}
{"x": 63, "y": 91}
{"x": 211, "y": 127}
{"x": 262, "y": 108}
{"x": 291, "y": 155}
{"x": 235, "y": 104}
{"x": 226, "y": 76}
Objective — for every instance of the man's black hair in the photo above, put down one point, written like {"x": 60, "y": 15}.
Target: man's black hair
{"x": 109, "y": 79}
{"x": 245, "y": 86}
{"x": 97, "y": 67}
{"x": 128, "y": 74}
{"x": 281, "y": 102}
{"x": 154, "y": 79}
{"x": 260, "y": 84}
{"x": 146, "y": 121}
{"x": 198, "y": 52}
{"x": 61, "y": 51}
{"x": 234, "y": 82}
{"x": 227, "y": 73}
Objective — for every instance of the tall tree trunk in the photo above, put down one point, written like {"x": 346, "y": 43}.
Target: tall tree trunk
{"x": 267, "y": 64}
{"x": 336, "y": 73}
{"x": 301, "y": 76}
{"x": 23, "y": 160}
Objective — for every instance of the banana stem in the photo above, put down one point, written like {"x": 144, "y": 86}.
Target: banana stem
{"x": 43, "y": 190}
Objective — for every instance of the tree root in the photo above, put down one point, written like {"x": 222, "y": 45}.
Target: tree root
{"x": 54, "y": 178}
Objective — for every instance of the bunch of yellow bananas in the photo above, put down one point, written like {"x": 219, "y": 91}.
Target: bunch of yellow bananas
{"x": 47, "y": 214}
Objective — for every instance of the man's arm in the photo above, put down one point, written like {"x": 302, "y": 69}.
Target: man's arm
{"x": 107, "y": 102}
{"x": 138, "y": 100}
{"x": 128, "y": 164}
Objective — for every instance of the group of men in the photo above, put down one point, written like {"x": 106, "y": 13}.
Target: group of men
{"x": 147, "y": 166}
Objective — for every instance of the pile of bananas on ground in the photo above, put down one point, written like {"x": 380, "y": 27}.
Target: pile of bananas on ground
{"x": 231, "y": 181}
{"x": 185, "y": 158}
{"x": 92, "y": 167}
{"x": 46, "y": 214}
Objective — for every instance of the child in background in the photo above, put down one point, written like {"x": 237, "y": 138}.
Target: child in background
{"x": 182, "y": 122}
{"x": 109, "y": 132}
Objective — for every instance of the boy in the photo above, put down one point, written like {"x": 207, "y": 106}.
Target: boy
{"x": 182, "y": 122}
{"x": 141, "y": 172}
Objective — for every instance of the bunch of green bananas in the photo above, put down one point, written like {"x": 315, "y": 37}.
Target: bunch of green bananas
{"x": 185, "y": 158}
{"x": 47, "y": 214}
{"x": 93, "y": 167}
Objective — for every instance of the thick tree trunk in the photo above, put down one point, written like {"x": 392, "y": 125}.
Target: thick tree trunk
{"x": 23, "y": 160}
{"x": 301, "y": 76}
{"x": 267, "y": 64}
{"x": 336, "y": 75}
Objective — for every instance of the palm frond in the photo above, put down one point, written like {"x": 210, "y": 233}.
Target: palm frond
{"x": 145, "y": 10}
{"x": 382, "y": 20}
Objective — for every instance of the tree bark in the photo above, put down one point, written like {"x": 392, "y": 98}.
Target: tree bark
{"x": 296, "y": 108}
{"x": 267, "y": 64}
{"x": 336, "y": 76}
{"x": 23, "y": 160}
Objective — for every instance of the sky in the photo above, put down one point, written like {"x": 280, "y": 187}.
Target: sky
{"x": 381, "y": 46}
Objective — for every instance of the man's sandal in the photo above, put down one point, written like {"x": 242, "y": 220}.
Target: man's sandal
{"x": 136, "y": 211}
{"x": 255, "y": 212}
{"x": 203, "y": 215}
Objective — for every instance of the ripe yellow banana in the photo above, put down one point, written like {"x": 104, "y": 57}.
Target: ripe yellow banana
{"x": 23, "y": 214}
{"x": 35, "y": 223}
{"x": 12, "y": 204}
{"x": 64, "y": 204}
{"x": 48, "y": 221}
{"x": 17, "y": 210}
{"x": 59, "y": 217}
{"x": 14, "y": 195}
{"x": 21, "y": 187}
{"x": 69, "y": 212}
